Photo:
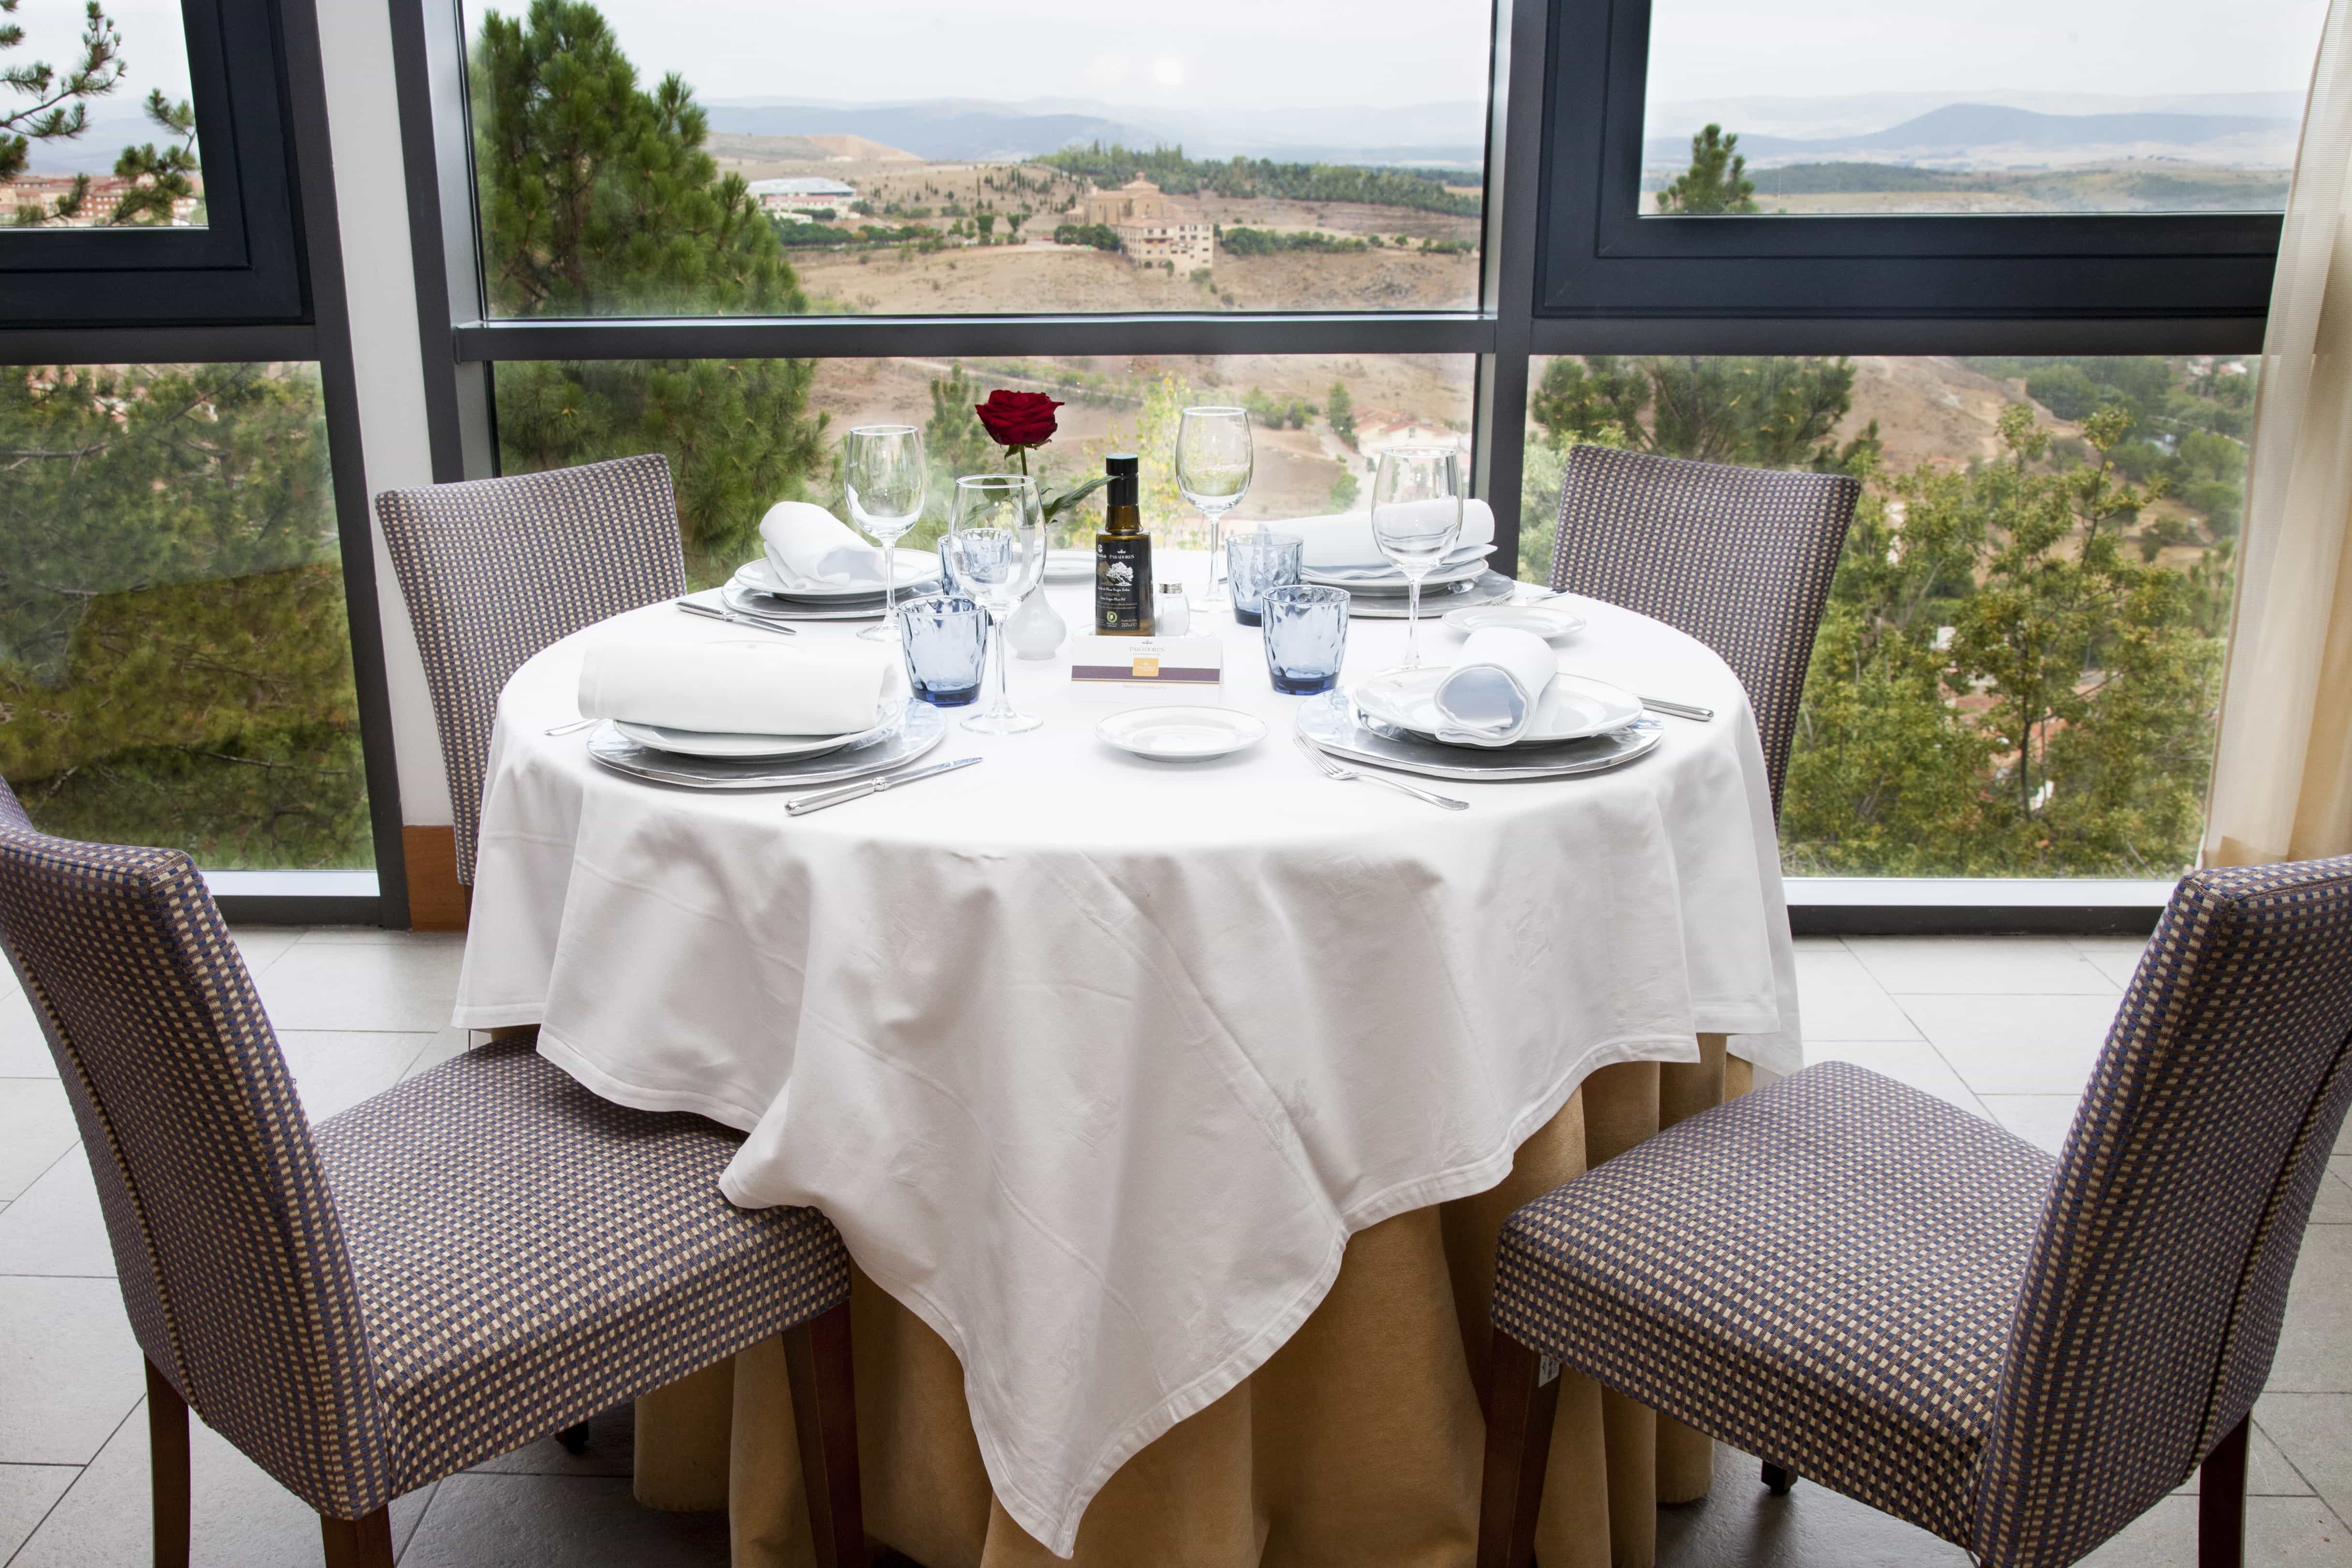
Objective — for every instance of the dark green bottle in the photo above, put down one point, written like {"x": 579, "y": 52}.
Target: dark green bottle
{"x": 1123, "y": 578}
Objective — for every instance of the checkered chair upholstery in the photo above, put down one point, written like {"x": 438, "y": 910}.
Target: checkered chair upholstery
{"x": 1738, "y": 557}
{"x": 1916, "y": 1309}
{"x": 495, "y": 570}
{"x": 478, "y": 1258}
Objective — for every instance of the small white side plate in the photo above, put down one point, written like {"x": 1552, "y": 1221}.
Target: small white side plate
{"x": 1182, "y": 734}
{"x": 1542, "y": 620}
{"x": 706, "y": 742}
{"x": 1069, "y": 566}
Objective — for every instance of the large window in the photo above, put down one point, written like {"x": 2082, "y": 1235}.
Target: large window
{"x": 175, "y": 665}
{"x": 2018, "y": 670}
{"x": 2002, "y": 106}
{"x": 1073, "y": 158}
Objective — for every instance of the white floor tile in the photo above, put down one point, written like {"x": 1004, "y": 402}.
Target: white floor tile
{"x": 1839, "y": 1000}
{"x": 27, "y": 1492}
{"x": 2016, "y": 1045}
{"x": 2041, "y": 1120}
{"x": 24, "y": 1049}
{"x": 2332, "y": 1204}
{"x": 2116, "y": 957}
{"x": 2015, "y": 965}
{"x": 57, "y": 1227}
{"x": 2314, "y": 1432}
{"x": 335, "y": 1070}
{"x": 262, "y": 946}
{"x": 37, "y": 1125}
{"x": 408, "y": 986}
{"x": 69, "y": 1369}
{"x": 2314, "y": 1347}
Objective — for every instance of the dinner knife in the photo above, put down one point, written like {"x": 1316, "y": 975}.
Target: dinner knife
{"x": 819, "y": 801}
{"x": 1678, "y": 710}
{"x": 709, "y": 613}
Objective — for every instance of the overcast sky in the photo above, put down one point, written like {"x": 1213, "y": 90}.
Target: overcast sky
{"x": 1717, "y": 49}
{"x": 154, "y": 46}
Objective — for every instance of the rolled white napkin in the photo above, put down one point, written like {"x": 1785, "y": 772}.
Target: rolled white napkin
{"x": 1492, "y": 692}
{"x": 1344, "y": 542}
{"x": 764, "y": 687}
{"x": 810, "y": 548}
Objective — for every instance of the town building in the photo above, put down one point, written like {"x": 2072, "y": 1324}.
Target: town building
{"x": 1152, "y": 229}
{"x": 42, "y": 191}
{"x": 803, "y": 194}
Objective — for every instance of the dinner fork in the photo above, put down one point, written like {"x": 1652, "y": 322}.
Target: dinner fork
{"x": 710, "y": 613}
{"x": 1332, "y": 770}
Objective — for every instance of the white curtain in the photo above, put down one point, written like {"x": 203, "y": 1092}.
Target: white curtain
{"x": 2283, "y": 772}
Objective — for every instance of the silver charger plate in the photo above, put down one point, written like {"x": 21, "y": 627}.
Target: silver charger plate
{"x": 767, "y": 607}
{"x": 923, "y": 728}
{"x": 1332, "y": 722}
{"x": 1494, "y": 588}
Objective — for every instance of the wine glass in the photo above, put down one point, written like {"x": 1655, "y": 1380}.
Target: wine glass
{"x": 883, "y": 472}
{"x": 995, "y": 549}
{"x": 1416, "y": 516}
{"x": 1212, "y": 470}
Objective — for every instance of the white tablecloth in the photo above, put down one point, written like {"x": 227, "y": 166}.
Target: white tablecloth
{"x": 1097, "y": 1062}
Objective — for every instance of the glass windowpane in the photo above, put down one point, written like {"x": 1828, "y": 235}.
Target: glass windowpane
{"x": 120, "y": 153}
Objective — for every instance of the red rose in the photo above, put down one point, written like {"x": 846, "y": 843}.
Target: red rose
{"x": 1018, "y": 419}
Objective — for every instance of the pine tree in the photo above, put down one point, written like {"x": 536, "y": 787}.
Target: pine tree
{"x": 1716, "y": 181}
{"x": 599, "y": 200}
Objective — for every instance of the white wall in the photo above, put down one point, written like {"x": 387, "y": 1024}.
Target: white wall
{"x": 372, "y": 201}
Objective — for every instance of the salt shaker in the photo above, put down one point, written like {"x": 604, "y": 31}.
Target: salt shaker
{"x": 1172, "y": 612}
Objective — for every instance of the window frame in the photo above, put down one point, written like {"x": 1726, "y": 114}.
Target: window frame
{"x": 1555, "y": 280}
{"x": 248, "y": 265}
{"x": 281, "y": 298}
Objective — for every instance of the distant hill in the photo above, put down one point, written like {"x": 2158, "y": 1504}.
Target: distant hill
{"x": 943, "y": 130}
{"x": 807, "y": 149}
{"x": 1956, "y": 130}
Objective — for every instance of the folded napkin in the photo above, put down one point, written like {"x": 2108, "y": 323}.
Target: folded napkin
{"x": 767, "y": 687}
{"x": 810, "y": 548}
{"x": 1344, "y": 543}
{"x": 1492, "y": 692}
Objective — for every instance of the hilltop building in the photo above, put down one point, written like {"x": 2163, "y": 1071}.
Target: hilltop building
{"x": 1151, "y": 228}
{"x": 105, "y": 191}
{"x": 804, "y": 194}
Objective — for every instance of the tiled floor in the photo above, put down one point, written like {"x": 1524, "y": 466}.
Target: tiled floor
{"x": 2004, "y": 1027}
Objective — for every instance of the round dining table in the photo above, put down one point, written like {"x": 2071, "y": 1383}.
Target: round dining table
{"x": 1104, "y": 1067}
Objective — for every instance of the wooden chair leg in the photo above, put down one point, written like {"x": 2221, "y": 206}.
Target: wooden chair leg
{"x": 167, "y": 1467}
{"x": 1519, "y": 1411}
{"x": 357, "y": 1542}
{"x": 825, "y": 1413}
{"x": 2221, "y": 1501}
{"x": 1778, "y": 1477}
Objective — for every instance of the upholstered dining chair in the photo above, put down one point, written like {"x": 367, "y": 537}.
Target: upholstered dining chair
{"x": 1738, "y": 557}
{"x": 495, "y": 570}
{"x": 464, "y": 1263}
{"x": 1871, "y": 1288}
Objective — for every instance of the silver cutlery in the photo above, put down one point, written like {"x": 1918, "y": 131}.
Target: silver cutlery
{"x": 1331, "y": 769}
{"x": 577, "y": 724}
{"x": 709, "y": 613}
{"x": 819, "y": 801}
{"x": 1676, "y": 710}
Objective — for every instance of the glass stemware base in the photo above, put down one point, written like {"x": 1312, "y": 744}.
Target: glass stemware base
{"x": 883, "y": 630}
{"x": 1010, "y": 722}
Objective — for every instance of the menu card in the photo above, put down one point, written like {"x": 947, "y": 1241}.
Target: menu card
{"x": 1149, "y": 661}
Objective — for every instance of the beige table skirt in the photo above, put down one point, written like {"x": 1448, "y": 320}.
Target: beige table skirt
{"x": 1358, "y": 1443}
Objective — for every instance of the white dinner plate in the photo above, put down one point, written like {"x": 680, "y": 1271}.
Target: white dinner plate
{"x": 741, "y": 748}
{"x": 1389, "y": 580}
{"x": 1182, "y": 734}
{"x": 759, "y": 575}
{"x": 1539, "y": 618}
{"x": 1069, "y": 566}
{"x": 1572, "y": 707}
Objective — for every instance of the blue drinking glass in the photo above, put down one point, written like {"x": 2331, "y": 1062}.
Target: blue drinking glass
{"x": 1306, "y": 636}
{"x": 945, "y": 636}
{"x": 1255, "y": 562}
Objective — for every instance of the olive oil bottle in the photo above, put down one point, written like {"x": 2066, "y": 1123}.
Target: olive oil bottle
{"x": 1123, "y": 602}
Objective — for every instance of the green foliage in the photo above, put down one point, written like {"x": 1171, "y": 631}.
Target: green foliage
{"x": 1102, "y": 236}
{"x": 1269, "y": 412}
{"x": 1339, "y": 411}
{"x": 1716, "y": 181}
{"x": 598, "y": 199}
{"x": 1766, "y": 413}
{"x": 1837, "y": 179}
{"x": 60, "y": 109}
{"x": 1421, "y": 190}
{"x": 1344, "y": 491}
{"x": 174, "y": 659}
{"x": 1270, "y": 242}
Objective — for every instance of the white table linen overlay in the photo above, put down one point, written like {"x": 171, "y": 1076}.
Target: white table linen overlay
{"x": 810, "y": 548}
{"x": 1096, "y": 1062}
{"x": 1343, "y": 542}
{"x": 1492, "y": 691}
{"x": 753, "y": 687}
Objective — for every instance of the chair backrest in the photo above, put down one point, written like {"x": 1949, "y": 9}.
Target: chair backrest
{"x": 226, "y": 1242}
{"x": 2153, "y": 1296}
{"x": 495, "y": 570}
{"x": 1738, "y": 557}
